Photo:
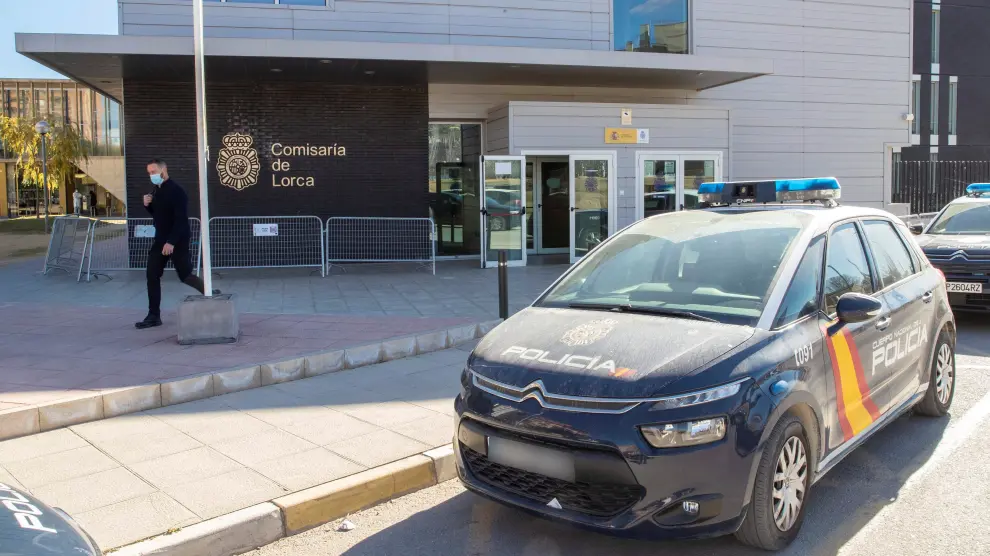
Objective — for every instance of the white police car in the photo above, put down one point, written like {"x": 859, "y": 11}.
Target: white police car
{"x": 696, "y": 373}
{"x": 957, "y": 242}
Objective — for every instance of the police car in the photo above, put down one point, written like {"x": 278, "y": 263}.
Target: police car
{"x": 699, "y": 371}
{"x": 28, "y": 527}
{"x": 957, "y": 242}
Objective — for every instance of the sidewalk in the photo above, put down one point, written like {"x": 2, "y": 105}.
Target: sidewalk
{"x": 52, "y": 353}
{"x": 132, "y": 477}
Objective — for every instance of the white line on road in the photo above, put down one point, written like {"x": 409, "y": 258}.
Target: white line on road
{"x": 953, "y": 438}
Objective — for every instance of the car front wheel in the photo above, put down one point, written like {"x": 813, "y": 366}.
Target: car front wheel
{"x": 777, "y": 506}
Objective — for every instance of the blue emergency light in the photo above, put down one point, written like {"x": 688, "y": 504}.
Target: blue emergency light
{"x": 809, "y": 189}
{"x": 978, "y": 189}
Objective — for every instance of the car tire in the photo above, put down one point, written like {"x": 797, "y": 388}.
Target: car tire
{"x": 941, "y": 380}
{"x": 496, "y": 223}
{"x": 767, "y": 525}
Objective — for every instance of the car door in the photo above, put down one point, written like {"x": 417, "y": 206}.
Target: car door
{"x": 856, "y": 402}
{"x": 900, "y": 355}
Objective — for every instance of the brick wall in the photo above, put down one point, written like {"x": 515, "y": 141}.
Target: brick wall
{"x": 382, "y": 128}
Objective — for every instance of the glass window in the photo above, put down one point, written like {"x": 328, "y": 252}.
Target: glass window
{"x": 953, "y": 95}
{"x": 590, "y": 204}
{"x": 936, "y": 32}
{"x": 696, "y": 172}
{"x": 713, "y": 264}
{"x": 113, "y": 120}
{"x": 963, "y": 218}
{"x": 55, "y": 104}
{"x": 71, "y": 105}
{"x": 454, "y": 175}
{"x": 40, "y": 102}
{"x": 304, "y": 2}
{"x": 659, "y": 186}
{"x": 86, "y": 117}
{"x": 651, "y": 25}
{"x": 891, "y": 256}
{"x": 934, "y": 108}
{"x": 916, "y": 106}
{"x": 801, "y": 299}
{"x": 25, "y": 102}
{"x": 846, "y": 268}
{"x": 9, "y": 102}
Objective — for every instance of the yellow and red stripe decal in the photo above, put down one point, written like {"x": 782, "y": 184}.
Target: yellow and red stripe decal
{"x": 855, "y": 406}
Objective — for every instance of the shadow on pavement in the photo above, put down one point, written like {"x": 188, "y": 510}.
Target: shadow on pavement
{"x": 974, "y": 334}
{"x": 841, "y": 504}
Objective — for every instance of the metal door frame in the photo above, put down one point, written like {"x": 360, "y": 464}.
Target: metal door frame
{"x": 483, "y": 210}
{"x": 679, "y": 157}
{"x": 538, "y": 248}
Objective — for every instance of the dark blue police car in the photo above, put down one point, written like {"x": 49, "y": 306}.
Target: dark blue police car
{"x": 957, "y": 242}
{"x": 699, "y": 371}
{"x": 28, "y": 527}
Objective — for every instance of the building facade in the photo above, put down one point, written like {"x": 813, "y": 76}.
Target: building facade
{"x": 951, "y": 77}
{"x": 536, "y": 126}
{"x": 97, "y": 119}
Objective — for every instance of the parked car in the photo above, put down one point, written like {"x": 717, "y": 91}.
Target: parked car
{"x": 29, "y": 527}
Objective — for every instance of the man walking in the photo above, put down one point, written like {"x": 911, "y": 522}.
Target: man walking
{"x": 168, "y": 206}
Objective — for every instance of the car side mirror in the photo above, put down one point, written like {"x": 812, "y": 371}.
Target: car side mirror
{"x": 917, "y": 229}
{"x": 856, "y": 307}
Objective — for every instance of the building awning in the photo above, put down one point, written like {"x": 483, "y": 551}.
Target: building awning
{"x": 103, "y": 61}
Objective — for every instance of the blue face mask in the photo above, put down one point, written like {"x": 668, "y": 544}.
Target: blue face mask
{"x": 156, "y": 179}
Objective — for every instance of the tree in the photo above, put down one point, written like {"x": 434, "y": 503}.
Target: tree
{"x": 65, "y": 150}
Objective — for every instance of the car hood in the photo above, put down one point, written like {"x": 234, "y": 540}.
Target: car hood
{"x": 601, "y": 354}
{"x": 28, "y": 527}
{"x": 947, "y": 244}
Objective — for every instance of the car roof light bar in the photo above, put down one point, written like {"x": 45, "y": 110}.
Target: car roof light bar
{"x": 804, "y": 190}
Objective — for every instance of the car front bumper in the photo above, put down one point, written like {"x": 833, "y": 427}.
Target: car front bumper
{"x": 621, "y": 484}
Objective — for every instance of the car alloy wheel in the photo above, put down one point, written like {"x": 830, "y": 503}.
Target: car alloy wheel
{"x": 496, "y": 223}
{"x": 790, "y": 482}
{"x": 941, "y": 380}
{"x": 945, "y": 374}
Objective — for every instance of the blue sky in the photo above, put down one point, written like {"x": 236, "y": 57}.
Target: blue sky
{"x": 49, "y": 16}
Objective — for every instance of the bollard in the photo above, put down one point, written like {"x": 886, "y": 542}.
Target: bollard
{"x": 503, "y": 285}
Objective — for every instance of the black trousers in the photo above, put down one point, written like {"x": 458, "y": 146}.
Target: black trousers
{"x": 156, "y": 268}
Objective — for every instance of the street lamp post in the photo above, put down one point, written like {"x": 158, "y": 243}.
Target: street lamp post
{"x": 202, "y": 146}
{"x": 43, "y": 128}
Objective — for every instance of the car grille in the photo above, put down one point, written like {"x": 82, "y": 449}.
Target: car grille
{"x": 599, "y": 500}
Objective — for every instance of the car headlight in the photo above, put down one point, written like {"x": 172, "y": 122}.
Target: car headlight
{"x": 688, "y": 433}
{"x": 700, "y": 397}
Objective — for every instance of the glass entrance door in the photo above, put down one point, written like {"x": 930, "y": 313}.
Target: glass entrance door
{"x": 592, "y": 183}
{"x": 503, "y": 212}
{"x": 548, "y": 205}
{"x": 669, "y": 181}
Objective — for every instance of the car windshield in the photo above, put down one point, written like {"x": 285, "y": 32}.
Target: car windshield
{"x": 693, "y": 264}
{"x": 963, "y": 218}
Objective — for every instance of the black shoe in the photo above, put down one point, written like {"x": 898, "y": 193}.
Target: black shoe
{"x": 149, "y": 321}
{"x": 217, "y": 292}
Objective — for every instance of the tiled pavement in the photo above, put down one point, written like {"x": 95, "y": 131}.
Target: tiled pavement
{"x": 135, "y": 476}
{"x": 459, "y": 289}
{"x": 56, "y": 352}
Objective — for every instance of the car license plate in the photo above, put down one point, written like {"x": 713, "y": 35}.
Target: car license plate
{"x": 532, "y": 458}
{"x": 964, "y": 287}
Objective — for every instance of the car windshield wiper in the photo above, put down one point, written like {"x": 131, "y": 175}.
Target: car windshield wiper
{"x": 627, "y": 308}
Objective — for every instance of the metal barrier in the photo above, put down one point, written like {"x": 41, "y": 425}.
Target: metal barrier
{"x": 119, "y": 244}
{"x": 267, "y": 242}
{"x": 381, "y": 240}
{"x": 67, "y": 244}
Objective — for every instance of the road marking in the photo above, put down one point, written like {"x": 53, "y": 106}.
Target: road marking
{"x": 954, "y": 437}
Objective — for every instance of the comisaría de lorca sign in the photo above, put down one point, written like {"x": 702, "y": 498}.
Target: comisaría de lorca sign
{"x": 238, "y": 164}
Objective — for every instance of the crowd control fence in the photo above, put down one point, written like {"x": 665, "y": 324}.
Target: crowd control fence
{"x": 381, "y": 240}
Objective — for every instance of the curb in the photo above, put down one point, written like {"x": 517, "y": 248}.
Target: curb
{"x": 19, "y": 422}
{"x": 245, "y": 530}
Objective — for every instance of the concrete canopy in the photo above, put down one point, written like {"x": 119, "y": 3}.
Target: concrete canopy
{"x": 103, "y": 61}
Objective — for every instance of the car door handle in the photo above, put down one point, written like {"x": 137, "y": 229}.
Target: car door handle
{"x": 883, "y": 323}
{"x": 927, "y": 298}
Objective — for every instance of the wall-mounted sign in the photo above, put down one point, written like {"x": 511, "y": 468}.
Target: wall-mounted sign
{"x": 626, "y": 116}
{"x": 144, "y": 231}
{"x": 238, "y": 164}
{"x": 265, "y": 230}
{"x": 625, "y": 135}
{"x": 503, "y": 168}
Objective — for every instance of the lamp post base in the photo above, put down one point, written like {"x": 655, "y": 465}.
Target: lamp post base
{"x": 208, "y": 320}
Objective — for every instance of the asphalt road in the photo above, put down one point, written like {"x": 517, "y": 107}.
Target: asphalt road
{"x": 919, "y": 487}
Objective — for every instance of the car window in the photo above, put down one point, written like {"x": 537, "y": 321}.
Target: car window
{"x": 963, "y": 218}
{"x": 801, "y": 298}
{"x": 891, "y": 256}
{"x": 719, "y": 266}
{"x": 846, "y": 268}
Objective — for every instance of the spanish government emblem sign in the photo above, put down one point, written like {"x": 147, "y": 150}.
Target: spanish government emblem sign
{"x": 238, "y": 163}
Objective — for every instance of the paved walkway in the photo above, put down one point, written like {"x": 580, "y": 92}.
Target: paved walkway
{"x": 132, "y": 477}
{"x": 459, "y": 289}
{"x": 56, "y": 352}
